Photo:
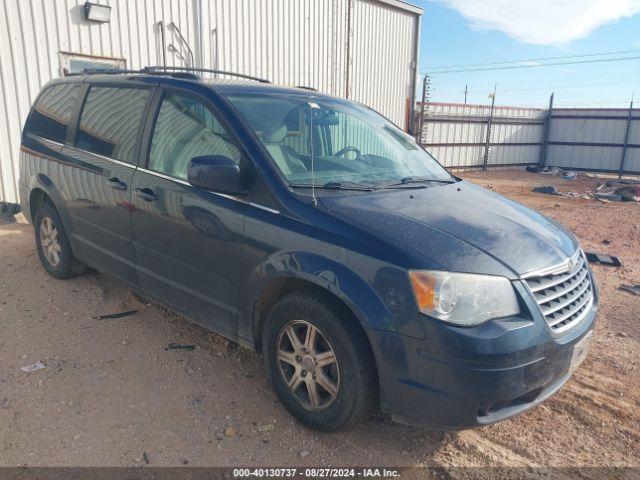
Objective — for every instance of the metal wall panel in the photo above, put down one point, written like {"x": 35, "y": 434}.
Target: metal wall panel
{"x": 593, "y": 139}
{"x": 590, "y": 139}
{"x": 290, "y": 42}
{"x": 456, "y": 134}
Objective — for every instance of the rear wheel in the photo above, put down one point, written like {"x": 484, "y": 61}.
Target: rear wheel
{"x": 53, "y": 244}
{"x": 319, "y": 362}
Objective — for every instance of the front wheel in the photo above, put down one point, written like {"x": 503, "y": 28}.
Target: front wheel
{"x": 319, "y": 362}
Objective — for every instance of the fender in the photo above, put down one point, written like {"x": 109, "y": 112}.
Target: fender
{"x": 363, "y": 298}
{"x": 42, "y": 181}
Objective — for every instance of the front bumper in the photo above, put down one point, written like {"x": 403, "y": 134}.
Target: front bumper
{"x": 460, "y": 378}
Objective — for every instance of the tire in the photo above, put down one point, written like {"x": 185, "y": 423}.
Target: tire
{"x": 350, "y": 381}
{"x": 53, "y": 244}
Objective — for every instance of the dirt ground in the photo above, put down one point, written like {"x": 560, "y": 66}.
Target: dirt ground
{"x": 110, "y": 391}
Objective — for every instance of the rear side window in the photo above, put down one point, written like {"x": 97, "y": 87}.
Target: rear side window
{"x": 186, "y": 128}
{"x": 110, "y": 122}
{"x": 51, "y": 115}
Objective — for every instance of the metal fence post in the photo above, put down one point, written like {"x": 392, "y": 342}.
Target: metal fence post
{"x": 489, "y": 121}
{"x": 425, "y": 82}
{"x": 626, "y": 140}
{"x": 542, "y": 160}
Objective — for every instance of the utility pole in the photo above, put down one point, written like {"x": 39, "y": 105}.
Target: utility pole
{"x": 466, "y": 89}
{"x": 489, "y": 122}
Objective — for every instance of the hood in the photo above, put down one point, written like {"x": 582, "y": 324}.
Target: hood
{"x": 459, "y": 227}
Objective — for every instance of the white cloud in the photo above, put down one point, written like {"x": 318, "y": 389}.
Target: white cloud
{"x": 543, "y": 22}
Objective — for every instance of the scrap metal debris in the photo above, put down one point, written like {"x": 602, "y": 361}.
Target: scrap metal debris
{"x": 621, "y": 190}
{"x": 566, "y": 174}
{"x": 33, "y": 368}
{"x": 551, "y": 190}
{"x": 635, "y": 289}
{"x": 178, "y": 346}
{"x": 115, "y": 315}
{"x": 608, "y": 260}
{"x": 548, "y": 189}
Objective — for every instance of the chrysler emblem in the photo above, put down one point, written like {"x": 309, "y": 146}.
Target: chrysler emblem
{"x": 573, "y": 263}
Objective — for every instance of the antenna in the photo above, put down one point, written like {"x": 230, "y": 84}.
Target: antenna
{"x": 313, "y": 176}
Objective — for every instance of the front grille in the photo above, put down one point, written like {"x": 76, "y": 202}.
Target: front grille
{"x": 565, "y": 297}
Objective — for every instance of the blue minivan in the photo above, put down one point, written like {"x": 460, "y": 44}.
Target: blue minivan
{"x": 314, "y": 230}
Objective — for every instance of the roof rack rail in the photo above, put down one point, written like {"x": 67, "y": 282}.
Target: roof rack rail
{"x": 158, "y": 69}
{"x": 183, "y": 72}
{"x": 116, "y": 71}
{"x": 101, "y": 71}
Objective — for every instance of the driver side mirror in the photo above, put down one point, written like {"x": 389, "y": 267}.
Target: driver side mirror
{"x": 216, "y": 173}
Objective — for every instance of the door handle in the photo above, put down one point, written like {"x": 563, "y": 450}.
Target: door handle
{"x": 117, "y": 184}
{"x": 146, "y": 194}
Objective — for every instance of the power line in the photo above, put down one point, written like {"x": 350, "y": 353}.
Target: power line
{"x": 515, "y": 67}
{"x": 539, "y": 59}
{"x": 543, "y": 87}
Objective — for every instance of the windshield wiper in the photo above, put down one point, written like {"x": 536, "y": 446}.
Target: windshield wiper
{"x": 416, "y": 179}
{"x": 346, "y": 185}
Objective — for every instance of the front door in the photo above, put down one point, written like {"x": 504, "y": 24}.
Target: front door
{"x": 187, "y": 241}
{"x": 96, "y": 176}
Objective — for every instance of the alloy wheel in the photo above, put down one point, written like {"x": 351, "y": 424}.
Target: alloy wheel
{"x": 308, "y": 365}
{"x": 49, "y": 241}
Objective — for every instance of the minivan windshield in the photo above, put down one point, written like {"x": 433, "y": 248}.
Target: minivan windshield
{"x": 341, "y": 142}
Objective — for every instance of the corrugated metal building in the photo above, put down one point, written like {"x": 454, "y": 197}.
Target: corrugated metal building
{"x": 360, "y": 49}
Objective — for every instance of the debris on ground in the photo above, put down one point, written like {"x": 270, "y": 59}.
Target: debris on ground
{"x": 608, "y": 196}
{"x": 551, "y": 190}
{"x": 611, "y": 191}
{"x": 608, "y": 260}
{"x": 266, "y": 428}
{"x": 8, "y": 211}
{"x": 230, "y": 432}
{"x": 33, "y": 368}
{"x": 635, "y": 289}
{"x": 179, "y": 346}
{"x": 620, "y": 190}
{"x": 115, "y": 315}
{"x": 548, "y": 189}
{"x": 566, "y": 174}
{"x": 10, "y": 208}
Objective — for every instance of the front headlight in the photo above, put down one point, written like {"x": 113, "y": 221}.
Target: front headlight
{"x": 463, "y": 298}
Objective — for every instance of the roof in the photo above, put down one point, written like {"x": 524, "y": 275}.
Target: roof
{"x": 222, "y": 85}
{"x": 244, "y": 83}
{"x": 402, "y": 5}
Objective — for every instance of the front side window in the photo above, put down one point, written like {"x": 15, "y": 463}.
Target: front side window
{"x": 51, "y": 115}
{"x": 340, "y": 140}
{"x": 110, "y": 122}
{"x": 186, "y": 128}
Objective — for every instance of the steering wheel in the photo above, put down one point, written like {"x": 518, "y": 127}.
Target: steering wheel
{"x": 343, "y": 151}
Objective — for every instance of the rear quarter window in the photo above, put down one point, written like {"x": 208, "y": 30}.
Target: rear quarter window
{"x": 52, "y": 112}
{"x": 110, "y": 122}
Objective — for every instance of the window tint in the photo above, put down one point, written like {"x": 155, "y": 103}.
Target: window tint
{"x": 184, "y": 129}
{"x": 50, "y": 116}
{"x": 110, "y": 121}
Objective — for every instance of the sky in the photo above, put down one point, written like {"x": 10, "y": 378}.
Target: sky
{"x": 470, "y": 32}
